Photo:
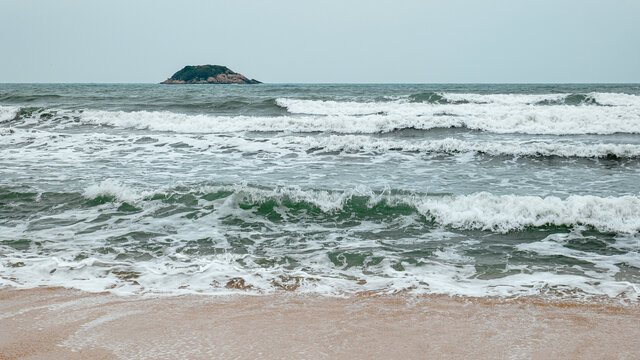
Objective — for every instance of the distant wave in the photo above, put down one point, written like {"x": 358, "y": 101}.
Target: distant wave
{"x": 27, "y": 98}
{"x": 266, "y": 107}
{"x": 498, "y": 113}
{"x": 371, "y": 118}
{"x": 592, "y": 98}
{"x": 356, "y": 143}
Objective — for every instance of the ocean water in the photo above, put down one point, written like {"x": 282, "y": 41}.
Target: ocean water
{"x": 471, "y": 190}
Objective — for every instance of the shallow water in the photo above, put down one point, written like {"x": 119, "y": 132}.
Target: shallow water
{"x": 67, "y": 324}
{"x": 473, "y": 190}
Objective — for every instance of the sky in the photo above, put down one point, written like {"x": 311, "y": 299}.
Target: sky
{"x": 345, "y": 41}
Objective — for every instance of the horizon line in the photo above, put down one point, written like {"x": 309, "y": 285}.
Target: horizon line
{"x": 331, "y": 83}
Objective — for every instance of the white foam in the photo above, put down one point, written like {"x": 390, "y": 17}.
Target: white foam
{"x": 503, "y": 99}
{"x": 495, "y": 118}
{"x": 554, "y": 245}
{"x": 112, "y": 188}
{"x": 602, "y": 98}
{"x": 511, "y": 212}
{"x": 39, "y": 145}
{"x": 359, "y": 143}
{"x": 327, "y": 201}
{"x": 616, "y": 99}
{"x": 329, "y": 107}
{"x": 358, "y": 108}
{"x": 8, "y": 112}
{"x": 516, "y": 114}
{"x": 451, "y": 255}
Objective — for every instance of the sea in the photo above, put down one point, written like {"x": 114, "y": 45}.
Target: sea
{"x": 466, "y": 190}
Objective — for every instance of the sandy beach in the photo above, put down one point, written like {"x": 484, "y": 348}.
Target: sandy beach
{"x": 55, "y": 323}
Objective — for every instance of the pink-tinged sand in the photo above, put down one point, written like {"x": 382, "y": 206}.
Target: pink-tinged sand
{"x": 53, "y": 323}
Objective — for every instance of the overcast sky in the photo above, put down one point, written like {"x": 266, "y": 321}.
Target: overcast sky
{"x": 398, "y": 41}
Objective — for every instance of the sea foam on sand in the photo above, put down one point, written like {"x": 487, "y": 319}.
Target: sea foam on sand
{"x": 58, "y": 323}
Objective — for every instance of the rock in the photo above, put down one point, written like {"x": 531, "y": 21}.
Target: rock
{"x": 208, "y": 74}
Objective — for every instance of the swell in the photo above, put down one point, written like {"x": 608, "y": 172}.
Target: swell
{"x": 236, "y": 106}
{"x": 434, "y": 98}
{"x": 574, "y": 99}
{"x": 9, "y": 97}
{"x": 28, "y": 106}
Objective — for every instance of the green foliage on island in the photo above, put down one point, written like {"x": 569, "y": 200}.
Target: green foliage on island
{"x": 200, "y": 72}
{"x": 208, "y": 74}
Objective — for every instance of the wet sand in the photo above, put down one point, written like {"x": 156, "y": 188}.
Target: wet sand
{"x": 53, "y": 323}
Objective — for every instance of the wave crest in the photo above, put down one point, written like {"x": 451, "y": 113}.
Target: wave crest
{"x": 477, "y": 211}
{"x": 480, "y": 211}
{"x": 112, "y": 189}
{"x": 562, "y": 121}
{"x": 359, "y": 143}
{"x": 8, "y": 112}
{"x": 592, "y": 98}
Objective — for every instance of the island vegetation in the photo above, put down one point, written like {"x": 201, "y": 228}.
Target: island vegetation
{"x": 208, "y": 74}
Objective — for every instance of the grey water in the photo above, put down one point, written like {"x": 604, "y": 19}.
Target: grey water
{"x": 473, "y": 190}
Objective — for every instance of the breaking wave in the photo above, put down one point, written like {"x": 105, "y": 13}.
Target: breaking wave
{"x": 553, "y": 114}
{"x": 362, "y": 118}
{"x": 592, "y": 98}
{"x": 483, "y": 211}
{"x": 8, "y": 112}
{"x": 358, "y": 143}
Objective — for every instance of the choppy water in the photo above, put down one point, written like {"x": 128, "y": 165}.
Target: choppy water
{"x": 470, "y": 190}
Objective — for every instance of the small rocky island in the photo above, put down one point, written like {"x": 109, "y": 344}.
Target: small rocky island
{"x": 208, "y": 74}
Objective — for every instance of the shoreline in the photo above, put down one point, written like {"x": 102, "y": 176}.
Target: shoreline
{"x": 62, "y": 323}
